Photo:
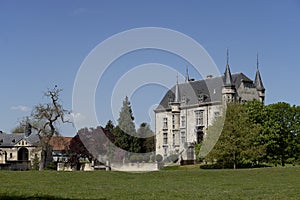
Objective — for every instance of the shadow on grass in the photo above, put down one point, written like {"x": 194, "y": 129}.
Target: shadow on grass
{"x": 230, "y": 166}
{"x": 12, "y": 197}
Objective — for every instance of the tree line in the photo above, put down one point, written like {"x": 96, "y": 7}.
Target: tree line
{"x": 255, "y": 134}
{"x": 101, "y": 143}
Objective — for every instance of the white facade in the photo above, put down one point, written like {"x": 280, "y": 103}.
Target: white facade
{"x": 189, "y": 108}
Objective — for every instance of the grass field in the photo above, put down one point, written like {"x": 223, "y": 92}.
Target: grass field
{"x": 183, "y": 183}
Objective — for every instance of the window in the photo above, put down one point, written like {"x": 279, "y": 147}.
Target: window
{"x": 182, "y": 137}
{"x": 182, "y": 121}
{"x": 199, "y": 117}
{"x": 165, "y": 123}
{"x": 165, "y": 138}
{"x": 173, "y": 121}
{"x": 10, "y": 155}
{"x": 173, "y": 139}
{"x": 165, "y": 151}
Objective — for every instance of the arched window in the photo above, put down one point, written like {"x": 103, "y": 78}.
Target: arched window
{"x": 23, "y": 154}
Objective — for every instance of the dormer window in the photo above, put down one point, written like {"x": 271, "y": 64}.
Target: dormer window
{"x": 183, "y": 99}
{"x": 202, "y": 98}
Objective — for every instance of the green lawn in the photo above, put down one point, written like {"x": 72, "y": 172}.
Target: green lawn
{"x": 183, "y": 183}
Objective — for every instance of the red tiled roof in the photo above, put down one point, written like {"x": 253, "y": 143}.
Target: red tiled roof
{"x": 60, "y": 143}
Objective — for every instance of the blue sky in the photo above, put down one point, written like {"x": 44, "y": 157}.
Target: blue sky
{"x": 43, "y": 43}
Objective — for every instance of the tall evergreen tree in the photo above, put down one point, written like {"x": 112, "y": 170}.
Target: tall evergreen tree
{"x": 109, "y": 126}
{"x": 125, "y": 121}
{"x": 125, "y": 133}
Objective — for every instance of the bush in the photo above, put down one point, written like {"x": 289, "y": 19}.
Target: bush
{"x": 139, "y": 158}
{"x": 158, "y": 158}
{"x": 51, "y": 166}
{"x": 35, "y": 163}
{"x": 173, "y": 158}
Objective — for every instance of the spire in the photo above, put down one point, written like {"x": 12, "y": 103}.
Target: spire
{"x": 227, "y": 57}
{"x": 176, "y": 100}
{"x": 258, "y": 82}
{"x": 227, "y": 75}
{"x": 187, "y": 78}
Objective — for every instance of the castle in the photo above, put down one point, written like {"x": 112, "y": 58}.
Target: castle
{"x": 188, "y": 108}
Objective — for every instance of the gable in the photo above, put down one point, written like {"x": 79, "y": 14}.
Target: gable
{"x": 11, "y": 140}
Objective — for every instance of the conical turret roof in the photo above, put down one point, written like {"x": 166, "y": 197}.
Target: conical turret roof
{"x": 258, "y": 82}
{"x": 227, "y": 77}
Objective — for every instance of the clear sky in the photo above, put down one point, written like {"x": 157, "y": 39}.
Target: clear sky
{"x": 43, "y": 43}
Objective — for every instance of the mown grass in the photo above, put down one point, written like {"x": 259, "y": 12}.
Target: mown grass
{"x": 183, "y": 183}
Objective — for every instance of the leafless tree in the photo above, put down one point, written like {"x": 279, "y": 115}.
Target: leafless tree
{"x": 44, "y": 119}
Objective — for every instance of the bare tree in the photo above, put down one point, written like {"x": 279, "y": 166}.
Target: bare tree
{"x": 44, "y": 119}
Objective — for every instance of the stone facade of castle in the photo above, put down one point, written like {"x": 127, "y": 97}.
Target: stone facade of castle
{"x": 189, "y": 108}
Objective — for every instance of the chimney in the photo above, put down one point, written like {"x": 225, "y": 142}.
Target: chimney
{"x": 28, "y": 129}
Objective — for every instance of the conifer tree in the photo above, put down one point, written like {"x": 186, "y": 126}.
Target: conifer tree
{"x": 125, "y": 133}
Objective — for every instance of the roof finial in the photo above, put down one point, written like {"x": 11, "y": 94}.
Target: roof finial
{"x": 187, "y": 78}
{"x": 176, "y": 90}
{"x": 227, "y": 61}
{"x": 227, "y": 75}
{"x": 257, "y": 60}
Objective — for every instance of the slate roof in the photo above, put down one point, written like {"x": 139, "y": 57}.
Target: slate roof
{"x": 205, "y": 91}
{"x": 9, "y": 140}
{"x": 227, "y": 77}
{"x": 258, "y": 82}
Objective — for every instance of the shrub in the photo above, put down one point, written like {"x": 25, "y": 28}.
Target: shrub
{"x": 158, "y": 158}
{"x": 51, "y": 166}
{"x": 139, "y": 158}
{"x": 173, "y": 158}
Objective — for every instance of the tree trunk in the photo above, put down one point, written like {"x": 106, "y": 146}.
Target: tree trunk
{"x": 282, "y": 161}
{"x": 43, "y": 160}
{"x": 234, "y": 161}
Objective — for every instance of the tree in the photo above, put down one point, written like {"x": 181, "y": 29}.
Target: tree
{"x": 256, "y": 111}
{"x": 125, "y": 121}
{"x": 125, "y": 133}
{"x": 23, "y": 127}
{"x": 238, "y": 142}
{"x": 146, "y": 137}
{"x": 282, "y": 133}
{"x": 77, "y": 150}
{"x": 109, "y": 126}
{"x": 18, "y": 129}
{"x": 44, "y": 119}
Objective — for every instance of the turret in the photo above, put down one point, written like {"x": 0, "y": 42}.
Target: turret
{"x": 259, "y": 84}
{"x": 228, "y": 90}
{"x": 175, "y": 109}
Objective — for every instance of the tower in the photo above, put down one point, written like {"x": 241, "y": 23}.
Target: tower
{"x": 228, "y": 89}
{"x": 175, "y": 110}
{"x": 259, "y": 84}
